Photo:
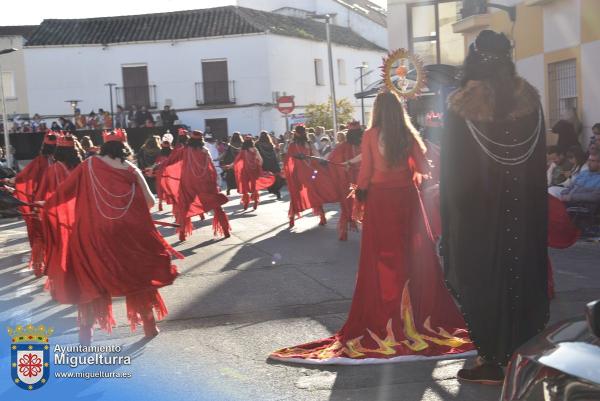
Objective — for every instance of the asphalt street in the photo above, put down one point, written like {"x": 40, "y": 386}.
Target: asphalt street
{"x": 266, "y": 287}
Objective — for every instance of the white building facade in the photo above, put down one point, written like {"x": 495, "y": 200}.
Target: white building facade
{"x": 362, "y": 16}
{"x": 251, "y": 67}
{"x": 12, "y": 67}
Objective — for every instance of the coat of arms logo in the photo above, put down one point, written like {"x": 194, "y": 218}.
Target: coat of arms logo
{"x": 30, "y": 355}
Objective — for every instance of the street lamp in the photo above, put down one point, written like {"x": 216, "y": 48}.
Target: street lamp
{"x": 112, "y": 116}
{"x": 9, "y": 157}
{"x": 327, "y": 18}
{"x": 73, "y": 103}
{"x": 362, "y": 68}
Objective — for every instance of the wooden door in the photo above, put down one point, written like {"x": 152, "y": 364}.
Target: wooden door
{"x": 135, "y": 86}
{"x": 218, "y": 127}
{"x": 215, "y": 81}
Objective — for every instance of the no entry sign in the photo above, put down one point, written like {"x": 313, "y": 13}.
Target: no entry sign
{"x": 285, "y": 104}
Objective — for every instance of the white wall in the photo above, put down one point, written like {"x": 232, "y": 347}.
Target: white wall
{"x": 15, "y": 63}
{"x": 590, "y": 60}
{"x": 345, "y": 16}
{"x": 532, "y": 69}
{"x": 397, "y": 25}
{"x": 259, "y": 65}
{"x": 562, "y": 24}
{"x": 57, "y": 74}
{"x": 294, "y": 73}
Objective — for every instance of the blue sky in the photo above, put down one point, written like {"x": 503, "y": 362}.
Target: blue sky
{"x": 30, "y": 12}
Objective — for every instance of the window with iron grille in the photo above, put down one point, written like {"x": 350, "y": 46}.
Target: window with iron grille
{"x": 562, "y": 88}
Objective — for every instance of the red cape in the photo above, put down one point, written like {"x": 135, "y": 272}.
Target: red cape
{"x": 26, "y": 186}
{"x": 114, "y": 248}
{"x": 309, "y": 183}
{"x": 343, "y": 178}
{"x": 249, "y": 175}
{"x": 189, "y": 176}
{"x": 54, "y": 254}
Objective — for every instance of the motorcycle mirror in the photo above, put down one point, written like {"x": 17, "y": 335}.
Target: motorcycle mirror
{"x": 592, "y": 312}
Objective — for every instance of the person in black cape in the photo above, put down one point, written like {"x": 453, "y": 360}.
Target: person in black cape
{"x": 227, "y": 158}
{"x": 494, "y": 206}
{"x": 267, "y": 151}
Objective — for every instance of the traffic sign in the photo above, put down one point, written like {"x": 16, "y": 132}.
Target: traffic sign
{"x": 285, "y": 104}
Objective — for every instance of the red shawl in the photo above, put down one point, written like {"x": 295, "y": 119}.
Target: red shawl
{"x": 114, "y": 248}
{"x": 169, "y": 183}
{"x": 189, "y": 176}
{"x": 343, "y": 179}
{"x": 309, "y": 183}
{"x": 249, "y": 175}
{"x": 26, "y": 186}
{"x": 54, "y": 255}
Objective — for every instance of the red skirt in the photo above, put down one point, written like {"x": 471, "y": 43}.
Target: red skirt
{"x": 401, "y": 309}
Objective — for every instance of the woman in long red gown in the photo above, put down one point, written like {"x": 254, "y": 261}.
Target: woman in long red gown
{"x": 344, "y": 177}
{"x": 309, "y": 182}
{"x": 66, "y": 159}
{"x": 192, "y": 179}
{"x": 26, "y": 186}
{"x": 401, "y": 309}
{"x": 249, "y": 175}
{"x": 113, "y": 247}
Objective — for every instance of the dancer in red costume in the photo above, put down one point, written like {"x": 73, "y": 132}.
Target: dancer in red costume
{"x": 309, "y": 182}
{"x": 26, "y": 186}
{"x": 113, "y": 247}
{"x": 249, "y": 175}
{"x": 401, "y": 309}
{"x": 66, "y": 158}
{"x": 344, "y": 152}
{"x": 168, "y": 187}
{"x": 192, "y": 179}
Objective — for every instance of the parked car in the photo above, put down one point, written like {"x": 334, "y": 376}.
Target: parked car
{"x": 560, "y": 364}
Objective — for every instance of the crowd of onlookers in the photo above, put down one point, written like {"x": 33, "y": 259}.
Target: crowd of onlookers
{"x": 133, "y": 117}
{"x": 573, "y": 173}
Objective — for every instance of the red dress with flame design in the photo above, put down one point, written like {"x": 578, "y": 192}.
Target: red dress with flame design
{"x": 401, "y": 309}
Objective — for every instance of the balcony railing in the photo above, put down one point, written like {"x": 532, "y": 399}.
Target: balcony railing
{"x": 214, "y": 93}
{"x": 137, "y": 96}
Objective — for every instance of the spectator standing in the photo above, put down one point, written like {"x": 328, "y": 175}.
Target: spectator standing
{"x": 142, "y": 116}
{"x": 325, "y": 147}
{"x": 168, "y": 116}
{"x": 131, "y": 116}
{"x": 92, "y": 121}
{"x": 66, "y": 124}
{"x": 567, "y": 136}
{"x": 120, "y": 117}
{"x": 80, "y": 120}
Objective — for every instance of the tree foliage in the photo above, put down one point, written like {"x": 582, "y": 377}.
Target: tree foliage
{"x": 320, "y": 114}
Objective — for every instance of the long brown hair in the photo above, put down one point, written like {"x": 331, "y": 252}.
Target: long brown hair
{"x": 396, "y": 132}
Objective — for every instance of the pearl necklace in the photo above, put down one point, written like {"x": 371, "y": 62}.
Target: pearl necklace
{"x": 507, "y": 161}
{"x": 97, "y": 186}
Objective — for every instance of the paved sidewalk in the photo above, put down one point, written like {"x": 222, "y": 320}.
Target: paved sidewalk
{"x": 264, "y": 288}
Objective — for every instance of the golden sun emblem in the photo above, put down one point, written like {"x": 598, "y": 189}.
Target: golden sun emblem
{"x": 403, "y": 73}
